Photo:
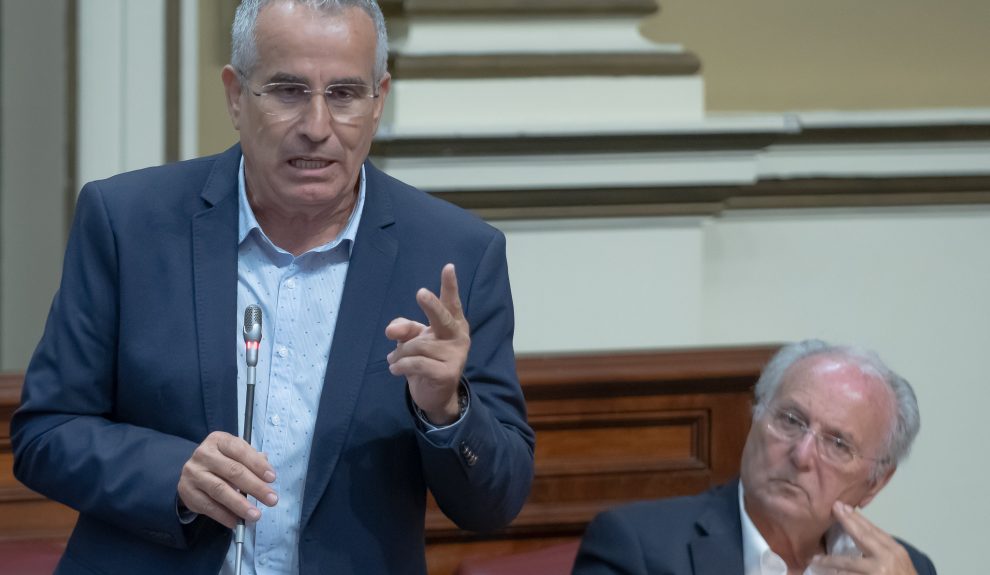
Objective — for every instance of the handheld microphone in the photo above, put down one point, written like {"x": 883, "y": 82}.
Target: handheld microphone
{"x": 252, "y": 341}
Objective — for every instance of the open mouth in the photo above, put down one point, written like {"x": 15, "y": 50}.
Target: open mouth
{"x": 308, "y": 163}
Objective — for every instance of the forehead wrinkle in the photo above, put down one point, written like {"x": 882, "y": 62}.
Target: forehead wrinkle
{"x": 827, "y": 377}
{"x": 272, "y": 39}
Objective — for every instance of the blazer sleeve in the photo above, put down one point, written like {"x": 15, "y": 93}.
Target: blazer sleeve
{"x": 481, "y": 474}
{"x": 70, "y": 443}
{"x": 922, "y": 563}
{"x": 611, "y": 546}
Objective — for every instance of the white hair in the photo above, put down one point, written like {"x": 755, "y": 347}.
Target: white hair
{"x": 244, "y": 47}
{"x": 907, "y": 422}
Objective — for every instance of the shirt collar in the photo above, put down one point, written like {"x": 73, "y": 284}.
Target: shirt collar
{"x": 753, "y": 543}
{"x": 755, "y": 547}
{"x": 246, "y": 222}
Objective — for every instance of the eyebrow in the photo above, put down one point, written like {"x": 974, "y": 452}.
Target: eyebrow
{"x": 796, "y": 410}
{"x": 282, "y": 78}
{"x": 286, "y": 78}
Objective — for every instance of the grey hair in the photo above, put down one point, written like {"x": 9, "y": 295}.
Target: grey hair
{"x": 908, "y": 418}
{"x": 244, "y": 47}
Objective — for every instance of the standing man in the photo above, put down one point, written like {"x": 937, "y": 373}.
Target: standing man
{"x": 829, "y": 427}
{"x": 371, "y": 388}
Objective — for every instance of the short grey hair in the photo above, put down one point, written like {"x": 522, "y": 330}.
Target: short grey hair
{"x": 907, "y": 421}
{"x": 243, "y": 43}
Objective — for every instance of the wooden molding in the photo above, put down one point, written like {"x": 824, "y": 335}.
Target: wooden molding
{"x": 551, "y": 376}
{"x": 558, "y": 144}
{"x": 526, "y": 7}
{"x": 391, "y": 8}
{"x": 712, "y": 200}
{"x": 812, "y": 135}
{"x": 681, "y": 200}
{"x": 488, "y": 66}
{"x": 563, "y": 144}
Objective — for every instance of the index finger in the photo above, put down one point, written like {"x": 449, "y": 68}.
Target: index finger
{"x": 868, "y": 537}
{"x": 444, "y": 313}
{"x": 449, "y": 296}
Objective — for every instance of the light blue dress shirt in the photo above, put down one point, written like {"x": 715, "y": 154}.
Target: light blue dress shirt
{"x": 300, "y": 300}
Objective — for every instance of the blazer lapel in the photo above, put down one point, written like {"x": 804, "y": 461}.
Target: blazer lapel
{"x": 368, "y": 276}
{"x": 214, "y": 235}
{"x": 717, "y": 550}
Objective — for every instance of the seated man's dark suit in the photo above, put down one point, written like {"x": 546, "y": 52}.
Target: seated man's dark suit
{"x": 699, "y": 535}
{"x": 137, "y": 366}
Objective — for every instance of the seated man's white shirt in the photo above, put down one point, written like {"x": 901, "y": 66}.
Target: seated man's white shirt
{"x": 759, "y": 559}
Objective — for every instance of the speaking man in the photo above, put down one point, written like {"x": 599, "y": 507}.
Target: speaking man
{"x": 830, "y": 425}
{"x": 371, "y": 389}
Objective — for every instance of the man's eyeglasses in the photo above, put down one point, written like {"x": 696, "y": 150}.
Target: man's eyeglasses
{"x": 348, "y": 103}
{"x": 789, "y": 426}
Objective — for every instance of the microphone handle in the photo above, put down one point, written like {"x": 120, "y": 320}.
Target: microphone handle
{"x": 249, "y": 404}
{"x": 246, "y": 435}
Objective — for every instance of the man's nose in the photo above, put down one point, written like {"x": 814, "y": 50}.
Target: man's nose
{"x": 316, "y": 121}
{"x": 804, "y": 450}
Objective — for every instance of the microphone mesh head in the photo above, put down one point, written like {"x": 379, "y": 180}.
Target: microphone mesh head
{"x": 252, "y": 317}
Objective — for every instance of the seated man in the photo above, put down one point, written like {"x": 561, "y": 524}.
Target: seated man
{"x": 829, "y": 427}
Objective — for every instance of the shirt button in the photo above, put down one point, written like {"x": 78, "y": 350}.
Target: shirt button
{"x": 283, "y": 351}
{"x": 290, "y": 283}
{"x": 275, "y": 419}
{"x": 263, "y": 560}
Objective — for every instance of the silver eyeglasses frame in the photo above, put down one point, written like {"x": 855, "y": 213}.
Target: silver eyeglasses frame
{"x": 293, "y": 111}
{"x": 788, "y": 426}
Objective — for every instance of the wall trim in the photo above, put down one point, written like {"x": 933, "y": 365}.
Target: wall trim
{"x": 524, "y": 7}
{"x": 713, "y": 200}
{"x": 529, "y": 65}
{"x": 397, "y": 146}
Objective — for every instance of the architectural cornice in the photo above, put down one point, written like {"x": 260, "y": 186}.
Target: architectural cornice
{"x": 487, "y": 66}
{"x": 766, "y": 162}
{"x": 526, "y": 7}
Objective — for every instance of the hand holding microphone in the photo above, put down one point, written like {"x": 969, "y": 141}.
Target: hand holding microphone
{"x": 225, "y": 468}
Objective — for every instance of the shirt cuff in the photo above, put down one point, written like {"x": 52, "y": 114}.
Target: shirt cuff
{"x": 464, "y": 400}
{"x": 185, "y": 515}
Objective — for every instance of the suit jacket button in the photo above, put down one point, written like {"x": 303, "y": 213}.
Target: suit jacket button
{"x": 470, "y": 457}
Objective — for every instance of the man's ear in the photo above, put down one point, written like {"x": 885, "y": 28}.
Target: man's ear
{"x": 879, "y": 484}
{"x": 232, "y": 89}
{"x": 383, "y": 89}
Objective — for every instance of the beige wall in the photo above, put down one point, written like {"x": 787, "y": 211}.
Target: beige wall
{"x": 910, "y": 283}
{"x": 215, "y": 131}
{"x": 766, "y": 55}
{"x": 777, "y": 55}
{"x": 34, "y": 173}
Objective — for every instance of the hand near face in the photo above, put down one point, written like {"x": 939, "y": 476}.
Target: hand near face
{"x": 882, "y": 555}
{"x": 220, "y": 471}
{"x": 432, "y": 357}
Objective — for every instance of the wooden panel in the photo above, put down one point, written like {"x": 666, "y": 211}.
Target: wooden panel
{"x": 23, "y": 513}
{"x": 610, "y": 428}
{"x": 613, "y": 428}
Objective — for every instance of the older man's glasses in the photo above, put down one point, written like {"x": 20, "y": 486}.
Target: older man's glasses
{"x": 791, "y": 427}
{"x": 348, "y": 103}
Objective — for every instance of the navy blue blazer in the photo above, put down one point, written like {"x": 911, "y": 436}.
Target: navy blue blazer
{"x": 697, "y": 535}
{"x": 137, "y": 366}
